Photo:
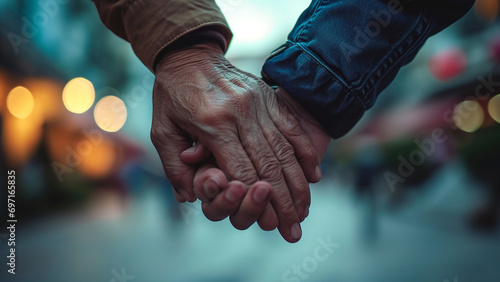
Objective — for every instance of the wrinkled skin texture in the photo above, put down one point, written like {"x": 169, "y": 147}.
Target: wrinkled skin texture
{"x": 199, "y": 96}
{"x": 211, "y": 186}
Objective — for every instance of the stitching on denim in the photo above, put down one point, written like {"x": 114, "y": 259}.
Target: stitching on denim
{"x": 307, "y": 25}
{"x": 416, "y": 36}
{"x": 330, "y": 72}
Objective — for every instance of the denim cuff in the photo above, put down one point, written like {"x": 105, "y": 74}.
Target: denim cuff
{"x": 342, "y": 54}
{"x": 315, "y": 88}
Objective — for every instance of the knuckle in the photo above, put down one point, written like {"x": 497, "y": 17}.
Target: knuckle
{"x": 287, "y": 210}
{"x": 285, "y": 152}
{"x": 216, "y": 119}
{"x": 243, "y": 98}
{"x": 292, "y": 127}
{"x": 270, "y": 169}
{"x": 242, "y": 103}
{"x": 309, "y": 153}
{"x": 214, "y": 115}
{"x": 156, "y": 135}
{"x": 244, "y": 174}
{"x": 302, "y": 199}
{"x": 198, "y": 192}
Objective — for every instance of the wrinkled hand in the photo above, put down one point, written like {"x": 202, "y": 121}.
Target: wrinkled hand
{"x": 211, "y": 186}
{"x": 199, "y": 96}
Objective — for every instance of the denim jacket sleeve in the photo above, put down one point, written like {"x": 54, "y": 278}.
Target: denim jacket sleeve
{"x": 341, "y": 54}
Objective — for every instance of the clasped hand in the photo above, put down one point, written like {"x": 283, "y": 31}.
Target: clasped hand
{"x": 256, "y": 149}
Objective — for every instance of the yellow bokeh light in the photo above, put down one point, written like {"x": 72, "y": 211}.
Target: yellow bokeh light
{"x": 468, "y": 116}
{"x": 110, "y": 113}
{"x": 494, "y": 108}
{"x": 20, "y": 102}
{"x": 78, "y": 95}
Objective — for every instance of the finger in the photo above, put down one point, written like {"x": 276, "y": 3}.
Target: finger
{"x": 269, "y": 170}
{"x": 285, "y": 119}
{"x": 170, "y": 143}
{"x": 208, "y": 182}
{"x": 225, "y": 203}
{"x": 231, "y": 157}
{"x": 195, "y": 154}
{"x": 207, "y": 179}
{"x": 206, "y": 187}
{"x": 253, "y": 205}
{"x": 178, "y": 196}
{"x": 268, "y": 220}
{"x": 297, "y": 184}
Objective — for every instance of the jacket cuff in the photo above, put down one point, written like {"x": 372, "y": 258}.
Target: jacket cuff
{"x": 334, "y": 106}
{"x": 152, "y": 26}
{"x": 196, "y": 37}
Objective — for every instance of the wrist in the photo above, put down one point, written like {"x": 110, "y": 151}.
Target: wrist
{"x": 191, "y": 55}
{"x": 206, "y": 39}
{"x": 303, "y": 115}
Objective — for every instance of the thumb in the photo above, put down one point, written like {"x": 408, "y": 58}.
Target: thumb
{"x": 170, "y": 142}
{"x": 195, "y": 154}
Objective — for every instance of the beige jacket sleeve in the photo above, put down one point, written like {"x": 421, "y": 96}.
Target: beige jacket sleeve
{"x": 152, "y": 25}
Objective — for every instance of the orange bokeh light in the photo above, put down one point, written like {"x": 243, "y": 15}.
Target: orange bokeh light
{"x": 3, "y": 90}
{"x": 20, "y": 102}
{"x": 100, "y": 160}
{"x": 487, "y": 9}
{"x": 87, "y": 151}
{"x": 20, "y": 138}
{"x": 47, "y": 97}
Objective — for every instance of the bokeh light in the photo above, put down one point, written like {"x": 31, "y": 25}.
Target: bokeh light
{"x": 89, "y": 151}
{"x": 20, "y": 102}
{"x": 21, "y": 138}
{"x": 468, "y": 116}
{"x": 494, "y": 108}
{"x": 46, "y": 93}
{"x": 3, "y": 90}
{"x": 487, "y": 9}
{"x": 59, "y": 137}
{"x": 78, "y": 95}
{"x": 447, "y": 64}
{"x": 98, "y": 159}
{"x": 110, "y": 113}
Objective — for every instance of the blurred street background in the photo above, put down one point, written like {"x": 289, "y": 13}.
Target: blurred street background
{"x": 411, "y": 194}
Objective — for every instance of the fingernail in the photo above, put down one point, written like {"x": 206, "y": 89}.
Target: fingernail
{"x": 211, "y": 188}
{"x": 232, "y": 194}
{"x": 318, "y": 173}
{"x": 306, "y": 212}
{"x": 191, "y": 149}
{"x": 295, "y": 231}
{"x": 261, "y": 194}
